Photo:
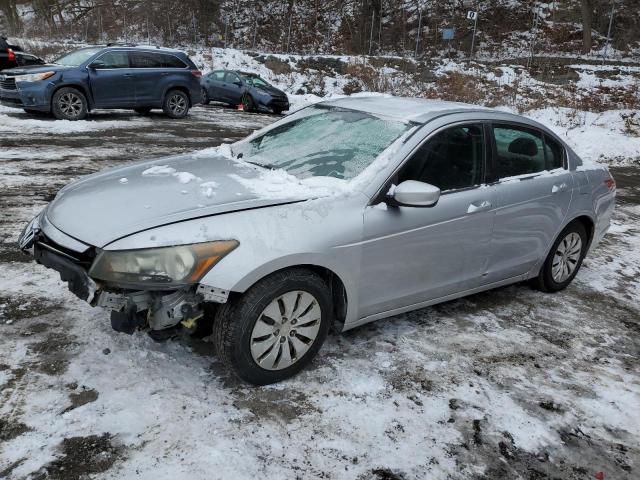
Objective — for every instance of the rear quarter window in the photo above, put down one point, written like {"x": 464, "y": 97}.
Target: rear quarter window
{"x": 171, "y": 61}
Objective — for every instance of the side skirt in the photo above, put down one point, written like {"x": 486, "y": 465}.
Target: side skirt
{"x": 416, "y": 306}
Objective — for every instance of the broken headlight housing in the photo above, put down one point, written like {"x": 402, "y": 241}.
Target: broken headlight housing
{"x": 162, "y": 266}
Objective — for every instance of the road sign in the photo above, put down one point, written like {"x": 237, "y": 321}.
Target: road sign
{"x": 448, "y": 33}
{"x": 472, "y": 15}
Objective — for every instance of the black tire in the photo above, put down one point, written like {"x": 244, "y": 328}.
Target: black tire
{"x": 205, "y": 97}
{"x": 235, "y": 320}
{"x": 143, "y": 110}
{"x": 545, "y": 280}
{"x": 176, "y": 104}
{"x": 277, "y": 111}
{"x": 69, "y": 103}
{"x": 248, "y": 105}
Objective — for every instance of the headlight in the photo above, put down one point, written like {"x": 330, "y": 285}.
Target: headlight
{"x": 164, "y": 266}
{"x": 34, "y": 77}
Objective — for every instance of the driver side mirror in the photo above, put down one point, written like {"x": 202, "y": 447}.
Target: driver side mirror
{"x": 96, "y": 64}
{"x": 412, "y": 193}
{"x": 238, "y": 83}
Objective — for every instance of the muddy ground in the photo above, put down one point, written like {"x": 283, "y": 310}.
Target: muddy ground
{"x": 508, "y": 384}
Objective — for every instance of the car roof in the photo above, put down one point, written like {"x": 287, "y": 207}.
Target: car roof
{"x": 419, "y": 110}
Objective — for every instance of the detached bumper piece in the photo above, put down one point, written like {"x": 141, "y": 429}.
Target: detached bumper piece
{"x": 79, "y": 282}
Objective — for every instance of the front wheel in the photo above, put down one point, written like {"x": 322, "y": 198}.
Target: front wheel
{"x": 69, "y": 104}
{"x": 248, "y": 104}
{"x": 564, "y": 259}
{"x": 176, "y": 104}
{"x": 276, "y": 328}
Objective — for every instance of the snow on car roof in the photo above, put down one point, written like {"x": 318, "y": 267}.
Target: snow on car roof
{"x": 411, "y": 109}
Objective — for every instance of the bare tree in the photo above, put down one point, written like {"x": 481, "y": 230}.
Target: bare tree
{"x": 586, "y": 7}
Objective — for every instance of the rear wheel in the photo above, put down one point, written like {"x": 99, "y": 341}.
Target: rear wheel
{"x": 143, "y": 110}
{"x": 205, "y": 97}
{"x": 564, "y": 259}
{"x": 277, "y": 111}
{"x": 176, "y": 104}
{"x": 275, "y": 328}
{"x": 69, "y": 104}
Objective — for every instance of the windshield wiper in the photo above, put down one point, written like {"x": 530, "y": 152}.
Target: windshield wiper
{"x": 263, "y": 165}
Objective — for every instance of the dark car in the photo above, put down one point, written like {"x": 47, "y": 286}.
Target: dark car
{"x": 26, "y": 59}
{"x": 120, "y": 76}
{"x": 235, "y": 88}
{"x": 7, "y": 54}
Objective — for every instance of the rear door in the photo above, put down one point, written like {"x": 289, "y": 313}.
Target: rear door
{"x": 148, "y": 76}
{"x": 534, "y": 190}
{"x": 111, "y": 80}
{"x": 412, "y": 255}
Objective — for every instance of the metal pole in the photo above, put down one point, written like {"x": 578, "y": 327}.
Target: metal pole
{"x": 255, "y": 31}
{"x": 226, "y": 24}
{"x": 289, "y": 33}
{"x": 473, "y": 38}
{"x": 380, "y": 29}
{"x": 373, "y": 16}
{"x": 606, "y": 45}
{"x": 148, "y": 33}
{"x": 419, "y": 28}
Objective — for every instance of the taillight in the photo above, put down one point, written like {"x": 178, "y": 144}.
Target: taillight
{"x": 610, "y": 183}
{"x": 12, "y": 56}
{"x": 196, "y": 73}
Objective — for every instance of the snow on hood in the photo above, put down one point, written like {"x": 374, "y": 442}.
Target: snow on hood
{"x": 109, "y": 205}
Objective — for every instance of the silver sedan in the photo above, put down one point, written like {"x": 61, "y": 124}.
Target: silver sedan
{"x": 342, "y": 213}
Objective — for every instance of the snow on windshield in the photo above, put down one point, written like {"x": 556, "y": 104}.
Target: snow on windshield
{"x": 324, "y": 142}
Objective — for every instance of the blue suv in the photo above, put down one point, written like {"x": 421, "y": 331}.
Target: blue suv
{"x": 136, "y": 77}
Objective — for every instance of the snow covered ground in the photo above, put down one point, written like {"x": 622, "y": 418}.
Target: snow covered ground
{"x": 510, "y": 383}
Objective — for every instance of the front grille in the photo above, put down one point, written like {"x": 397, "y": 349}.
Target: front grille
{"x": 82, "y": 259}
{"x": 8, "y": 83}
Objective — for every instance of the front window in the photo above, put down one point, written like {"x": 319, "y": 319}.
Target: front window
{"x": 255, "y": 81}
{"x": 78, "y": 57}
{"x": 452, "y": 159}
{"x": 323, "y": 141}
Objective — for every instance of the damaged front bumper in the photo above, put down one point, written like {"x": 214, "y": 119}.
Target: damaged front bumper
{"x": 130, "y": 309}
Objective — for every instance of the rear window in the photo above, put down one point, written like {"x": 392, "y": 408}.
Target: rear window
{"x": 520, "y": 151}
{"x": 145, "y": 60}
{"x": 171, "y": 61}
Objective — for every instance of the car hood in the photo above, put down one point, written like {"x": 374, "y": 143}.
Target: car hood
{"x": 272, "y": 91}
{"x": 27, "y": 69}
{"x": 113, "y": 204}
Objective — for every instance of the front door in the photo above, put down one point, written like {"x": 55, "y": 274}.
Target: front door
{"x": 412, "y": 255}
{"x": 232, "y": 88}
{"x": 111, "y": 80}
{"x": 534, "y": 191}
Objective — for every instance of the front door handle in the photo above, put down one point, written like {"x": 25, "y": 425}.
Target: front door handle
{"x": 559, "y": 187}
{"x": 479, "y": 206}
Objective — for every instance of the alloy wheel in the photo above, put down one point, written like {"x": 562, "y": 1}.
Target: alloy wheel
{"x": 567, "y": 257}
{"x": 285, "y": 330}
{"x": 70, "y": 104}
{"x": 177, "y": 104}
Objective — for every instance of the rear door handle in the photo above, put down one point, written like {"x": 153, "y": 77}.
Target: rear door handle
{"x": 127, "y": 74}
{"x": 479, "y": 206}
{"x": 559, "y": 187}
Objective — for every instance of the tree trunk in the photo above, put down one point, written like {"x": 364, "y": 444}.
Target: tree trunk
{"x": 587, "y": 19}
